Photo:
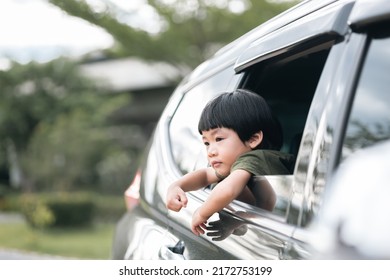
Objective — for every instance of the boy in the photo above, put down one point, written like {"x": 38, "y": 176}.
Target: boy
{"x": 242, "y": 139}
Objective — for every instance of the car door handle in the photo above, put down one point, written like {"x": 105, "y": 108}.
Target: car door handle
{"x": 172, "y": 252}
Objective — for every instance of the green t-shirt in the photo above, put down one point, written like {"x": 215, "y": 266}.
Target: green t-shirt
{"x": 265, "y": 162}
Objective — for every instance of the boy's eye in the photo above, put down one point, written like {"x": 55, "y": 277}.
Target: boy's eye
{"x": 206, "y": 143}
{"x": 218, "y": 139}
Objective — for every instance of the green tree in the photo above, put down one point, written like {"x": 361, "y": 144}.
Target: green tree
{"x": 53, "y": 125}
{"x": 191, "y": 30}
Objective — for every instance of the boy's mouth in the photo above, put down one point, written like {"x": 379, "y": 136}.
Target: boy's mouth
{"x": 216, "y": 164}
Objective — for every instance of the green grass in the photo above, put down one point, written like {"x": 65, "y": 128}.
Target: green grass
{"x": 92, "y": 243}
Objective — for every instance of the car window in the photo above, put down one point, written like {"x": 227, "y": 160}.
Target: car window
{"x": 369, "y": 120}
{"x": 288, "y": 83}
{"x": 186, "y": 144}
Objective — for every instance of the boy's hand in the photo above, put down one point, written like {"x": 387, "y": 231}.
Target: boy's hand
{"x": 198, "y": 224}
{"x": 176, "y": 198}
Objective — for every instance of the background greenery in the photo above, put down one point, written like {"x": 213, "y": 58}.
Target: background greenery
{"x": 87, "y": 241}
{"x": 57, "y": 133}
{"x": 93, "y": 243}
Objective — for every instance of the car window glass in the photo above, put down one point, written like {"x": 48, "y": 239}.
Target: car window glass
{"x": 186, "y": 143}
{"x": 369, "y": 120}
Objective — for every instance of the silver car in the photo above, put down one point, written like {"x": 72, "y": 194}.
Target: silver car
{"x": 323, "y": 66}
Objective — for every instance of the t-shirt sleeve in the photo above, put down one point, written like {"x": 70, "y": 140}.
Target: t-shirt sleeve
{"x": 253, "y": 163}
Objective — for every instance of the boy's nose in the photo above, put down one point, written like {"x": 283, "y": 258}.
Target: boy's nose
{"x": 211, "y": 152}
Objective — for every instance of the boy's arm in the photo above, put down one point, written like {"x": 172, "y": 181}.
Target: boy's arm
{"x": 223, "y": 193}
{"x": 176, "y": 198}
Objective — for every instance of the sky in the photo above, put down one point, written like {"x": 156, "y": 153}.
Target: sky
{"x": 37, "y": 30}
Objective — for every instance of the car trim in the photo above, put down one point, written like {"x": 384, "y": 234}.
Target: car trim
{"x": 324, "y": 26}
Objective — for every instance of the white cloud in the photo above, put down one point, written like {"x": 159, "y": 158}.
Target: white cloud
{"x": 34, "y": 29}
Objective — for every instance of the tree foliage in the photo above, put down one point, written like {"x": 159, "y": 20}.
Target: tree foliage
{"x": 191, "y": 30}
{"x": 53, "y": 126}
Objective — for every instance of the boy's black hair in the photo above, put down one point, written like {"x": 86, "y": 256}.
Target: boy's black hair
{"x": 246, "y": 113}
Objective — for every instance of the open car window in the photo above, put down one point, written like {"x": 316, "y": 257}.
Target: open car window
{"x": 288, "y": 83}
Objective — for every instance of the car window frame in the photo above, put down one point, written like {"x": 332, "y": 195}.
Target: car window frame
{"x": 289, "y": 217}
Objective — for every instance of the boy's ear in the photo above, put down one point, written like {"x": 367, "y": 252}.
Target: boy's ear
{"x": 255, "y": 139}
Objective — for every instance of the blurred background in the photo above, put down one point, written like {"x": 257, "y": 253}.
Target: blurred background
{"x": 82, "y": 84}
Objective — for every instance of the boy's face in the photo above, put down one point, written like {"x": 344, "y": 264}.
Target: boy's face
{"x": 223, "y": 148}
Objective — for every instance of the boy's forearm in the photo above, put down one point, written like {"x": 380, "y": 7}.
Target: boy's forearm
{"x": 224, "y": 193}
{"x": 217, "y": 200}
{"x": 194, "y": 180}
